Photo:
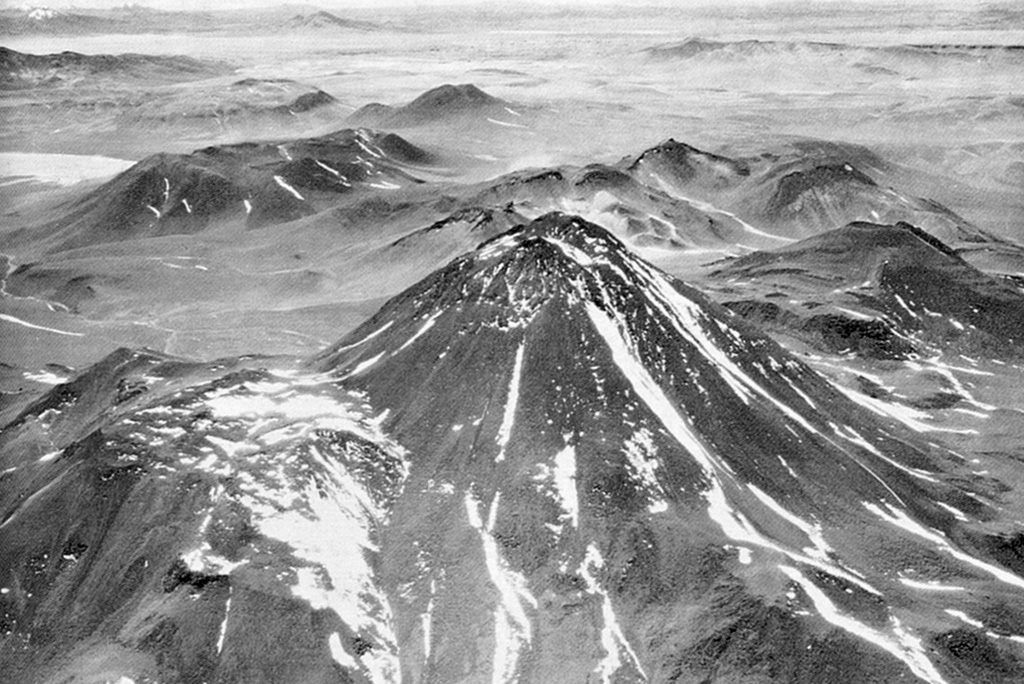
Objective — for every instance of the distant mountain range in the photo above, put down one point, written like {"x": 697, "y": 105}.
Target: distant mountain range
{"x": 133, "y": 19}
{"x": 20, "y": 70}
{"x": 325, "y": 20}
{"x": 47, "y": 20}
{"x": 673, "y": 197}
{"x": 249, "y": 102}
{"x": 668, "y": 196}
{"x": 699, "y": 48}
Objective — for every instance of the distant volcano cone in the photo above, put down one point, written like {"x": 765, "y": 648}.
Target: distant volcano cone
{"x": 675, "y": 165}
{"x": 914, "y": 281}
{"x": 264, "y": 183}
{"x": 447, "y": 102}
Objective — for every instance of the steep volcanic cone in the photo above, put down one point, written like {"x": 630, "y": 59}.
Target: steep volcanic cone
{"x": 611, "y": 475}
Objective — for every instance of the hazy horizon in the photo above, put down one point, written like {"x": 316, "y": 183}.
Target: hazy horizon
{"x": 208, "y": 5}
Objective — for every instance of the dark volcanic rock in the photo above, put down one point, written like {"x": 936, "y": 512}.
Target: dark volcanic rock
{"x": 840, "y": 180}
{"x": 601, "y": 177}
{"x": 870, "y": 339}
{"x": 834, "y": 333}
{"x": 917, "y": 284}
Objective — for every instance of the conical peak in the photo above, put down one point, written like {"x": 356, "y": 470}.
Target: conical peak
{"x": 901, "y": 234}
{"x": 557, "y": 267}
{"x": 670, "y": 148}
{"x": 448, "y": 94}
{"x": 557, "y": 260}
{"x": 687, "y": 163}
{"x": 865, "y": 238}
{"x": 512, "y": 275}
{"x": 673, "y": 145}
{"x": 843, "y": 173}
{"x": 586, "y": 241}
{"x": 554, "y": 254}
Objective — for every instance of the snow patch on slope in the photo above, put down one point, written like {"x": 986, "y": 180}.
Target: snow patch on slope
{"x": 901, "y": 519}
{"x": 642, "y": 457}
{"x": 905, "y": 647}
{"x": 613, "y": 640}
{"x": 268, "y": 437}
{"x": 512, "y": 629}
{"x": 562, "y": 476}
{"x": 284, "y": 184}
{"x": 511, "y": 402}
